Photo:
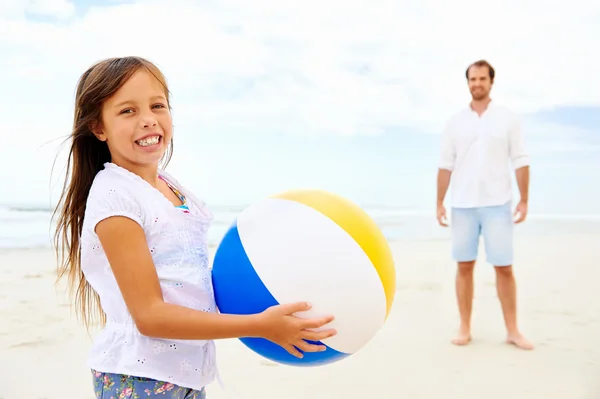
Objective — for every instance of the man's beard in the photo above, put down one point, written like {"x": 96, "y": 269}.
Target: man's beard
{"x": 479, "y": 95}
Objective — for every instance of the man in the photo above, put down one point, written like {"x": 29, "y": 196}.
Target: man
{"x": 478, "y": 145}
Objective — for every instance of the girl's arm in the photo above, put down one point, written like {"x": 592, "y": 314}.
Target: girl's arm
{"x": 124, "y": 243}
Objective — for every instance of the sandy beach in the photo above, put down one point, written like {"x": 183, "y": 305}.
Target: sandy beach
{"x": 43, "y": 348}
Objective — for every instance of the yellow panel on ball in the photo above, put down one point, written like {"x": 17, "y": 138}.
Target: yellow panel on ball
{"x": 359, "y": 225}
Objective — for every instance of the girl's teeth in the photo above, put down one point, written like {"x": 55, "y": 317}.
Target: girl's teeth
{"x": 147, "y": 142}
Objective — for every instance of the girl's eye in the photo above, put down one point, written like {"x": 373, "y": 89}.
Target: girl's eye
{"x": 130, "y": 110}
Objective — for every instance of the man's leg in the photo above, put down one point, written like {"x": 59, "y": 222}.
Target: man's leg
{"x": 464, "y": 296}
{"x": 465, "y": 239}
{"x": 497, "y": 230}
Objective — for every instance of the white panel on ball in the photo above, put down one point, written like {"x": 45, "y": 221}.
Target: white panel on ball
{"x": 302, "y": 255}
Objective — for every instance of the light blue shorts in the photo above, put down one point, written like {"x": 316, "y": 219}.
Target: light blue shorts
{"x": 494, "y": 223}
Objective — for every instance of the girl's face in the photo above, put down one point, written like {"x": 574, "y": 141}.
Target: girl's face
{"x": 136, "y": 123}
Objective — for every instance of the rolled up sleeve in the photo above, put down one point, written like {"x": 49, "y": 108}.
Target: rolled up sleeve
{"x": 447, "y": 150}
{"x": 517, "y": 151}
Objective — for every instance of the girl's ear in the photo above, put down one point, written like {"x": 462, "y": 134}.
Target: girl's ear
{"x": 96, "y": 129}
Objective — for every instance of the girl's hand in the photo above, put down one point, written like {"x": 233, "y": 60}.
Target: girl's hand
{"x": 278, "y": 325}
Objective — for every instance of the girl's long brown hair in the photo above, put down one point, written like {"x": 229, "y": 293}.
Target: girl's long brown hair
{"x": 87, "y": 156}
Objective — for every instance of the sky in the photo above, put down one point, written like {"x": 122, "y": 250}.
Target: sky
{"x": 270, "y": 95}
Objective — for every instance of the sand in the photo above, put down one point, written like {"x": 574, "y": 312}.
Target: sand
{"x": 43, "y": 348}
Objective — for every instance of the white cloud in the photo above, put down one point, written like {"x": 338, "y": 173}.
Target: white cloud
{"x": 59, "y": 9}
{"x": 301, "y": 66}
{"x": 293, "y": 64}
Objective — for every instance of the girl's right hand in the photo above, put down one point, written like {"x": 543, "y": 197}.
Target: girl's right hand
{"x": 279, "y": 325}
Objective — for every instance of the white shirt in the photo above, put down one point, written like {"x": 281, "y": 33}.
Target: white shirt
{"x": 479, "y": 151}
{"x": 179, "y": 248}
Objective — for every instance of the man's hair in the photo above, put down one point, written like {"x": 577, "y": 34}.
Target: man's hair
{"x": 479, "y": 64}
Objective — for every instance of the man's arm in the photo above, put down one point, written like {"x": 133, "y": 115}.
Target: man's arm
{"x": 443, "y": 182}
{"x": 522, "y": 175}
{"x": 446, "y": 164}
{"x": 519, "y": 159}
{"x": 445, "y": 168}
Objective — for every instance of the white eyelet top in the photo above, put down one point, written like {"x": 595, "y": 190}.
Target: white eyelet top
{"x": 179, "y": 247}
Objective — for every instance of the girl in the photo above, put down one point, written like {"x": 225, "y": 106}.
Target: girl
{"x": 132, "y": 241}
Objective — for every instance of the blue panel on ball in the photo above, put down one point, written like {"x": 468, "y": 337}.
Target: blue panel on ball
{"x": 276, "y": 353}
{"x": 239, "y": 290}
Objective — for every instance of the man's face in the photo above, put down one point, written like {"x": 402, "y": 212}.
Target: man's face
{"x": 480, "y": 83}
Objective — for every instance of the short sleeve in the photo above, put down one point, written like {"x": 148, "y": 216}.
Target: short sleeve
{"x": 107, "y": 200}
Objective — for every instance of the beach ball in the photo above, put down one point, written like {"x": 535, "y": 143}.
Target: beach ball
{"x": 307, "y": 245}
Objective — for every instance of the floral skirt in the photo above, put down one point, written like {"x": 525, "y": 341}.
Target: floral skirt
{"x": 118, "y": 386}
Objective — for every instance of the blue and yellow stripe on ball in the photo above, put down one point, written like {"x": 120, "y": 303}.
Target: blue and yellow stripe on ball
{"x": 307, "y": 245}
{"x": 358, "y": 224}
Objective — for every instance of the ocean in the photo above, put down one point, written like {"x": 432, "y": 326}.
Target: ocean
{"x": 392, "y": 177}
{"x": 32, "y": 228}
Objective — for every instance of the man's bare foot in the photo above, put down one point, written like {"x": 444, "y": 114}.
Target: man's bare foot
{"x": 519, "y": 341}
{"x": 463, "y": 338}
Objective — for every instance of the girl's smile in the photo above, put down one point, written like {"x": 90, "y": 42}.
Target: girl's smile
{"x": 150, "y": 142}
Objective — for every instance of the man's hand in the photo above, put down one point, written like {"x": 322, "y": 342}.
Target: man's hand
{"x": 520, "y": 212}
{"x": 441, "y": 215}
